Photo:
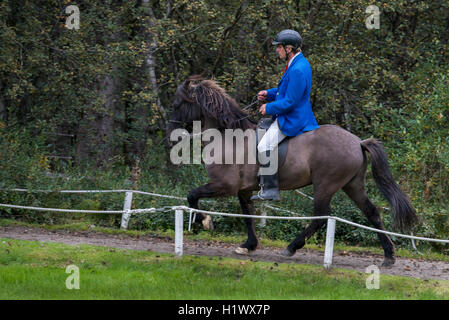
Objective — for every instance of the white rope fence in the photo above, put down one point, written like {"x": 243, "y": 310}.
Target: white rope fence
{"x": 385, "y": 208}
{"x": 127, "y": 212}
{"x": 60, "y": 210}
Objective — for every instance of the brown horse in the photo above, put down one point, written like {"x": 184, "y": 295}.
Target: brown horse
{"x": 329, "y": 157}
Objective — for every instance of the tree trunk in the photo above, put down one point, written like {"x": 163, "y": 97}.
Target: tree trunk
{"x": 104, "y": 122}
{"x": 150, "y": 64}
{"x": 2, "y": 104}
{"x": 95, "y": 137}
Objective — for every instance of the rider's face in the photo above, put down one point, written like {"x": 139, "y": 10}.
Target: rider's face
{"x": 281, "y": 51}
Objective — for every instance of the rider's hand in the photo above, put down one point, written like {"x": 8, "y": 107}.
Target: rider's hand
{"x": 262, "y": 95}
{"x": 262, "y": 109}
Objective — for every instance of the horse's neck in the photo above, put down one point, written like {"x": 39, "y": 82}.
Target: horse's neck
{"x": 209, "y": 123}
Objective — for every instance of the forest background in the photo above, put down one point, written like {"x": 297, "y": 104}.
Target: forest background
{"x": 87, "y": 107}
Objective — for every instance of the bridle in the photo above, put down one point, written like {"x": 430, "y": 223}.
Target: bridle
{"x": 253, "y": 102}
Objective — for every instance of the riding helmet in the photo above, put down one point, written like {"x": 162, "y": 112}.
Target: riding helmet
{"x": 288, "y": 37}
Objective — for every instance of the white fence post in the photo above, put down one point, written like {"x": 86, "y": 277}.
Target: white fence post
{"x": 179, "y": 221}
{"x": 330, "y": 236}
{"x": 126, "y": 207}
{"x": 263, "y": 222}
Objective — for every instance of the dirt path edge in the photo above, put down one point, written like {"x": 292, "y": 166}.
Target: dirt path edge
{"x": 416, "y": 268}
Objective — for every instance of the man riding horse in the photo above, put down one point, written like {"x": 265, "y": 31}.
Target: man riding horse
{"x": 291, "y": 109}
{"x": 327, "y": 157}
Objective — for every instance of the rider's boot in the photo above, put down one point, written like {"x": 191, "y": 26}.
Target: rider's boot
{"x": 269, "y": 185}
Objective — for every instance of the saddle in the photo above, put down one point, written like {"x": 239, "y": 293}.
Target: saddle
{"x": 265, "y": 123}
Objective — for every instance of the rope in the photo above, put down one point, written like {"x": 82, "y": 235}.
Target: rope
{"x": 192, "y": 210}
{"x": 303, "y": 194}
{"x": 280, "y": 209}
{"x": 60, "y": 210}
{"x": 385, "y": 208}
{"x": 310, "y": 218}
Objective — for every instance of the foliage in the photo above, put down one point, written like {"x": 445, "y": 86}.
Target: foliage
{"x": 81, "y": 109}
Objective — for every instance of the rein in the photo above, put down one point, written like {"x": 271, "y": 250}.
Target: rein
{"x": 252, "y": 103}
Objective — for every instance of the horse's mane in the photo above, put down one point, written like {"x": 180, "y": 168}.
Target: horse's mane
{"x": 217, "y": 104}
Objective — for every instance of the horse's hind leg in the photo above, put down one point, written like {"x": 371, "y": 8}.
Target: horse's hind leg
{"x": 248, "y": 208}
{"x": 355, "y": 189}
{"x": 321, "y": 208}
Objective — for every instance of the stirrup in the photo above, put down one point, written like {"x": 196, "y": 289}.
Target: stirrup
{"x": 258, "y": 196}
{"x": 275, "y": 196}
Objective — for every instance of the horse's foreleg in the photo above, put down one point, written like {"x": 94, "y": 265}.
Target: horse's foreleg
{"x": 209, "y": 190}
{"x": 248, "y": 208}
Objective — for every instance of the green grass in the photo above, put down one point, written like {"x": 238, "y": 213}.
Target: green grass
{"x": 36, "y": 270}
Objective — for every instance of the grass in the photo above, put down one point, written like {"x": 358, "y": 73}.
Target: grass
{"x": 37, "y": 270}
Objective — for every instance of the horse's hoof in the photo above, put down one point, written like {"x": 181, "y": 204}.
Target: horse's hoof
{"x": 242, "y": 251}
{"x": 207, "y": 223}
{"x": 287, "y": 253}
{"x": 388, "y": 262}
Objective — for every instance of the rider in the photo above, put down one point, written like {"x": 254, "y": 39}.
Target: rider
{"x": 290, "y": 109}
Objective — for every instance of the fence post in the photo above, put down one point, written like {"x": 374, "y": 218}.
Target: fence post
{"x": 263, "y": 222}
{"x": 330, "y": 236}
{"x": 126, "y": 207}
{"x": 179, "y": 221}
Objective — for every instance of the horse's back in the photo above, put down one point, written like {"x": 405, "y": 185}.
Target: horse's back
{"x": 329, "y": 151}
{"x": 336, "y": 138}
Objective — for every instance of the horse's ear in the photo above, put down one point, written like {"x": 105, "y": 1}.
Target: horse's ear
{"x": 186, "y": 84}
{"x": 194, "y": 87}
{"x": 188, "y": 89}
{"x": 193, "y": 81}
{"x": 198, "y": 91}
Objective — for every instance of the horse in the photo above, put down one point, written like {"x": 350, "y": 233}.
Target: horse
{"x": 329, "y": 158}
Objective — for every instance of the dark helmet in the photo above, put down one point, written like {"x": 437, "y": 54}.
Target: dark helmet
{"x": 288, "y": 37}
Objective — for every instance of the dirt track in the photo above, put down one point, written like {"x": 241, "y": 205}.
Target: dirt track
{"x": 416, "y": 268}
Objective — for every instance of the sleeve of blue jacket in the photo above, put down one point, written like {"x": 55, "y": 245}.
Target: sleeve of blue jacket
{"x": 294, "y": 92}
{"x": 271, "y": 94}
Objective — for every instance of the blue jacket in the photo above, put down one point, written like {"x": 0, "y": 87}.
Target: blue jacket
{"x": 291, "y": 98}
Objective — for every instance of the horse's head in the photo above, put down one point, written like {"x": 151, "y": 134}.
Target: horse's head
{"x": 185, "y": 108}
{"x": 200, "y": 99}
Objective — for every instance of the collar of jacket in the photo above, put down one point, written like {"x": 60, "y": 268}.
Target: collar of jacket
{"x": 293, "y": 61}
{"x": 293, "y": 58}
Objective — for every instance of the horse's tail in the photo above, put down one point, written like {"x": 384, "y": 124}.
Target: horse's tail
{"x": 404, "y": 216}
